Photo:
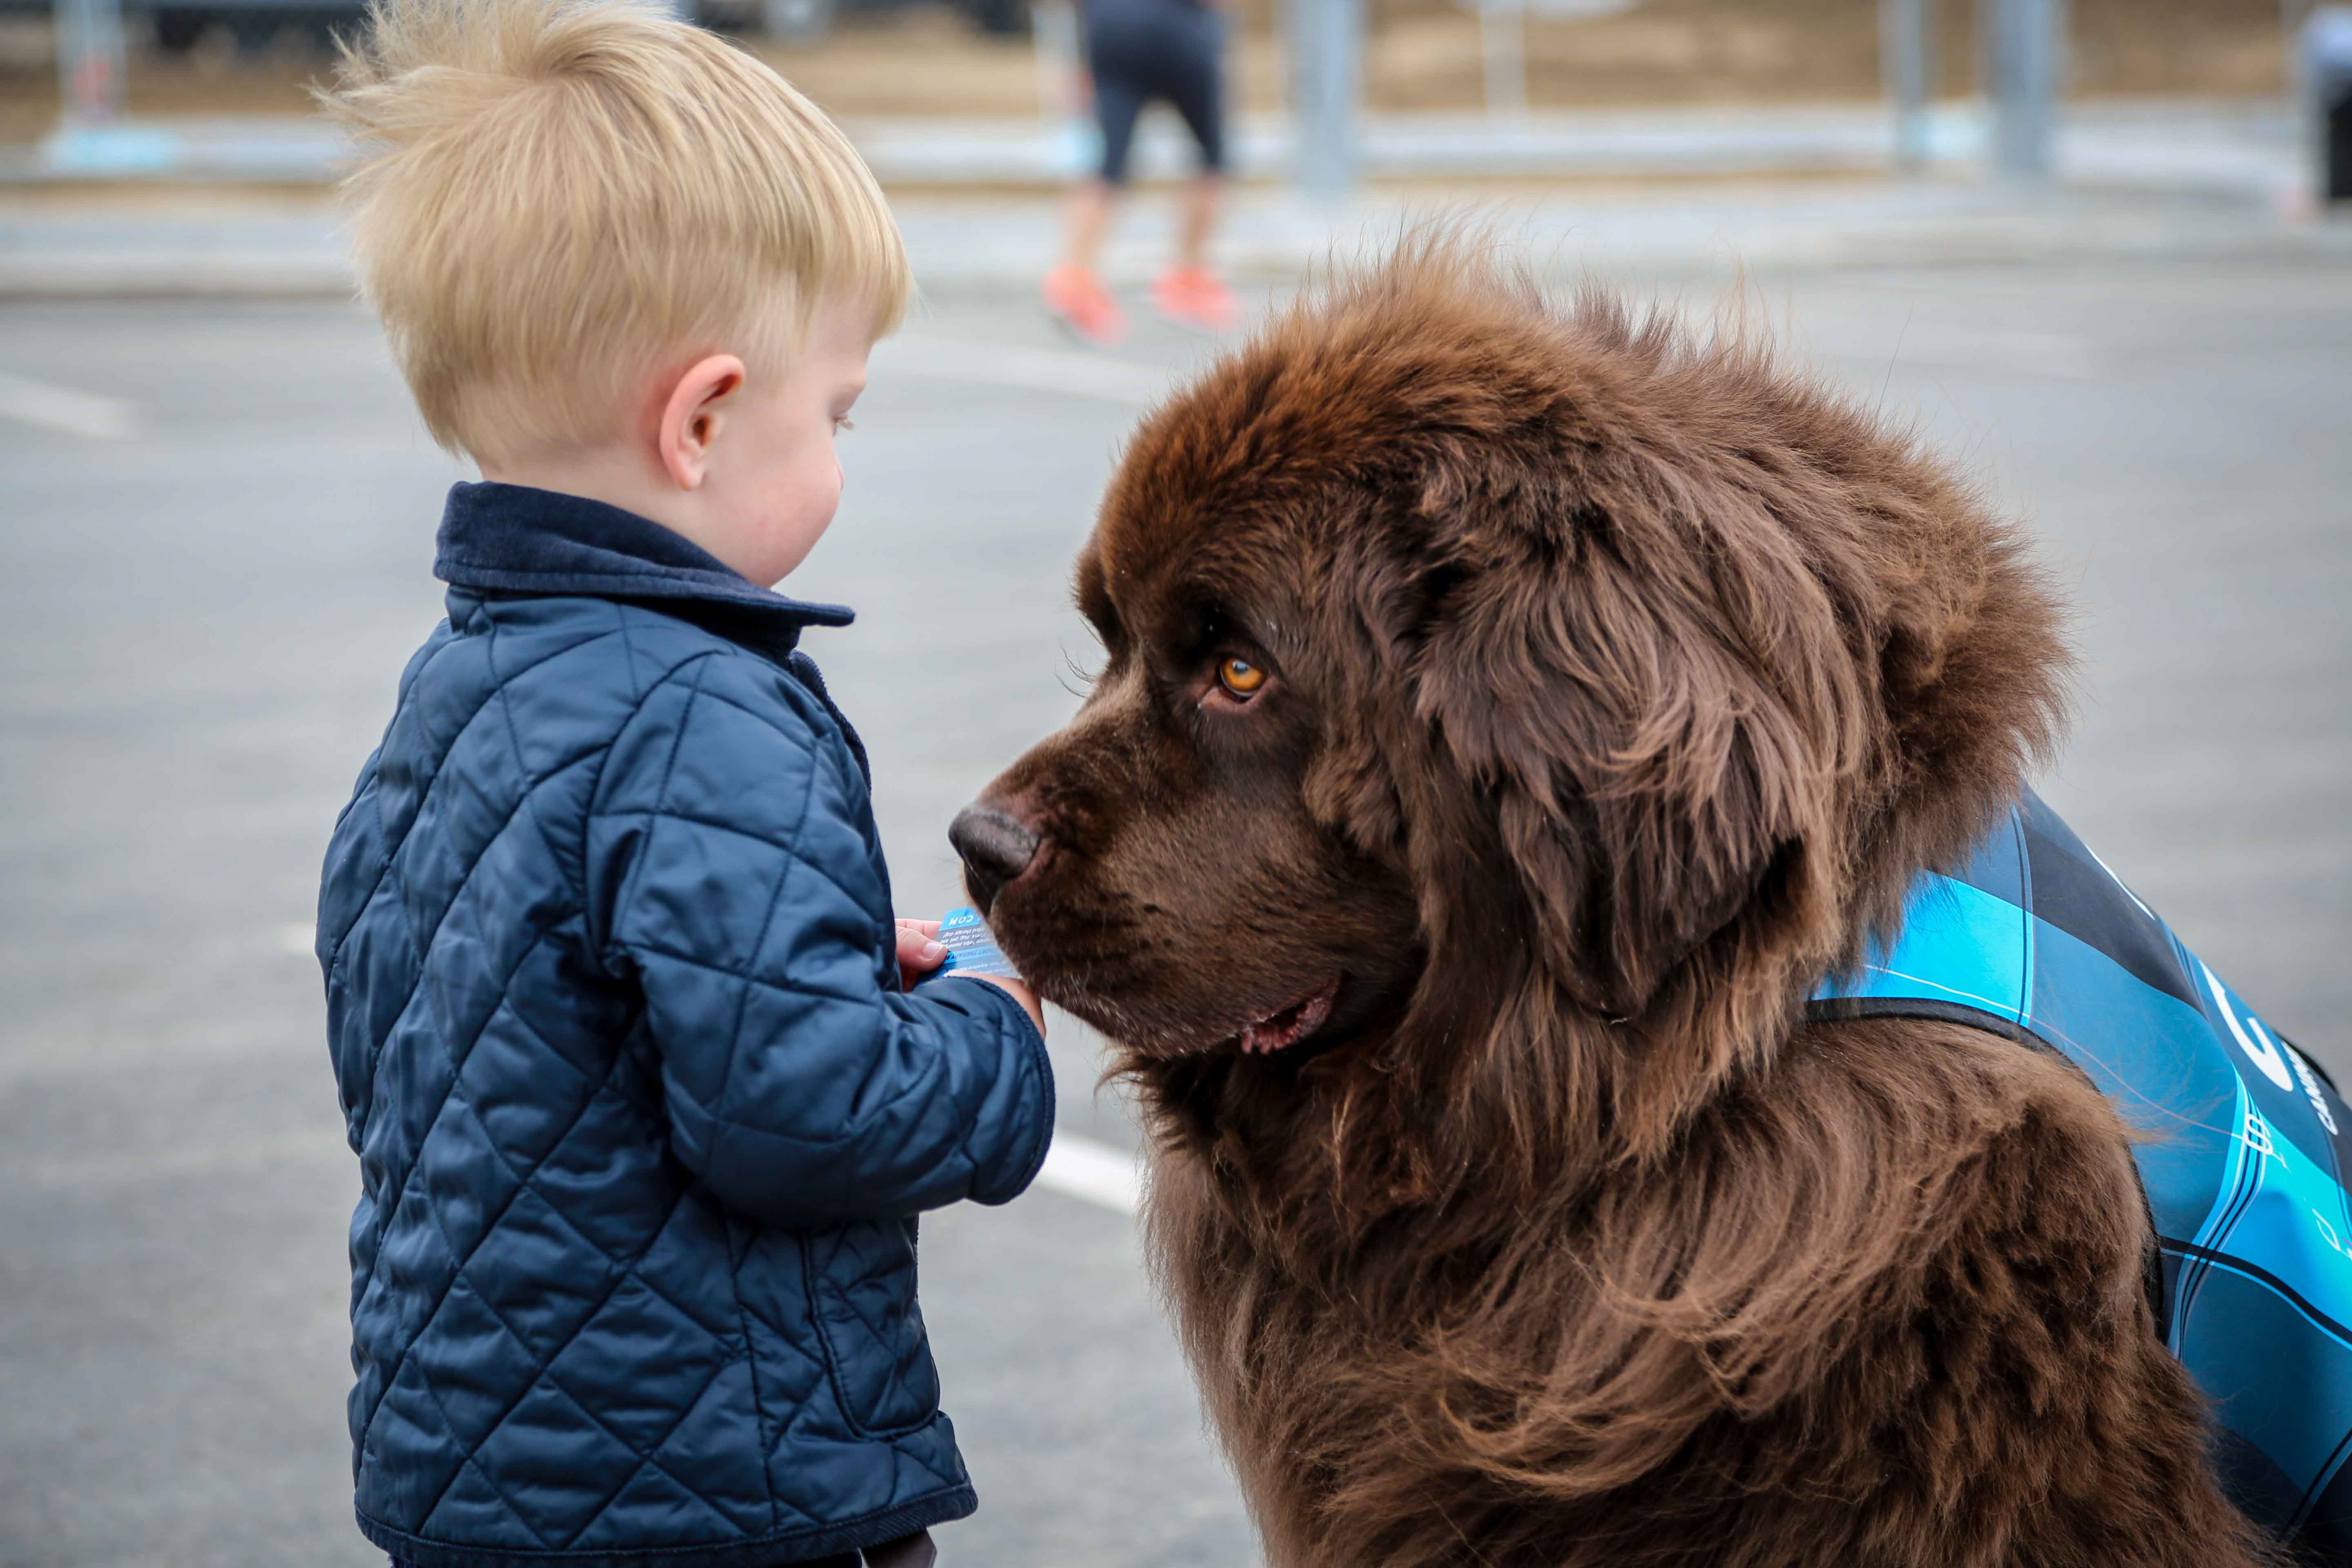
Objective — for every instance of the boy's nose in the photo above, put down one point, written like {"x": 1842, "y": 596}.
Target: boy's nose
{"x": 996, "y": 846}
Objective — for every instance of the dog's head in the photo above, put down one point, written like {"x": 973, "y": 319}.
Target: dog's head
{"x": 1466, "y": 653}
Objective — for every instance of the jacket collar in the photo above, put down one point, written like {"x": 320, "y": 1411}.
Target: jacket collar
{"x": 520, "y": 540}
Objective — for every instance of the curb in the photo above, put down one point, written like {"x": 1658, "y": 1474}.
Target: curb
{"x": 224, "y": 276}
{"x": 91, "y": 253}
{"x": 2181, "y": 144}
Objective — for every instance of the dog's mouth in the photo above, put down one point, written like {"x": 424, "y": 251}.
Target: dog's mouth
{"x": 1289, "y": 1024}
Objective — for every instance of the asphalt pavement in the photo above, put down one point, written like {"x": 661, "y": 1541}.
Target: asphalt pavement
{"x": 215, "y": 531}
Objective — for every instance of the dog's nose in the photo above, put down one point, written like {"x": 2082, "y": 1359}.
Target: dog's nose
{"x": 995, "y": 845}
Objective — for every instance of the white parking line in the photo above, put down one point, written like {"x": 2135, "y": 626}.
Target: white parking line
{"x": 54, "y": 407}
{"x": 1032, "y": 370}
{"x": 1081, "y": 1168}
{"x": 131, "y": 1168}
{"x": 1076, "y": 1167}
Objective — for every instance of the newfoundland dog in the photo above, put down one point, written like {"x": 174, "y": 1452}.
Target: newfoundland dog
{"x": 1510, "y": 710}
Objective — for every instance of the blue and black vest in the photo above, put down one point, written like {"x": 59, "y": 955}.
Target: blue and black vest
{"x": 2240, "y": 1143}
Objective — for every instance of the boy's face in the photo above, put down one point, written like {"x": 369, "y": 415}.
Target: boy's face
{"x": 773, "y": 479}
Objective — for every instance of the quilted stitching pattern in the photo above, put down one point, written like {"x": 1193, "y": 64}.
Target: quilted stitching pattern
{"x": 641, "y": 1114}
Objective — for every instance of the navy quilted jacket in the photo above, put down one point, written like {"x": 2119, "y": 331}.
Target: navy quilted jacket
{"x": 643, "y": 1116}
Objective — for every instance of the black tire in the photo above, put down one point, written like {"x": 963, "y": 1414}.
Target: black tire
{"x": 1002, "y": 18}
{"x": 177, "y": 29}
{"x": 726, "y": 19}
{"x": 329, "y": 28}
{"x": 2335, "y": 175}
{"x": 253, "y": 31}
{"x": 797, "y": 21}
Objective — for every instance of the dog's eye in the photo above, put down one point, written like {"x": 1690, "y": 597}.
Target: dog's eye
{"x": 1239, "y": 677}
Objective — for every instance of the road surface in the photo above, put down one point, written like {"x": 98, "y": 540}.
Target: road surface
{"x": 216, "y": 530}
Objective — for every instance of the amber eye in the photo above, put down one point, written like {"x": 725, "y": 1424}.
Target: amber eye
{"x": 1239, "y": 677}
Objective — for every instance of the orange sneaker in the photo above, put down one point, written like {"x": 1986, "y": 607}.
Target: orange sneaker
{"x": 1083, "y": 306}
{"x": 1196, "y": 297}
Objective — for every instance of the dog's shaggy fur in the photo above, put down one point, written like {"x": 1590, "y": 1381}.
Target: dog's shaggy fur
{"x": 1614, "y": 688}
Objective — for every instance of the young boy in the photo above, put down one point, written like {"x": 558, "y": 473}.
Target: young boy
{"x": 643, "y": 1104}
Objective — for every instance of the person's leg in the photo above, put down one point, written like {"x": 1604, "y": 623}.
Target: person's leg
{"x": 1074, "y": 292}
{"x": 1189, "y": 291}
{"x": 1084, "y": 220}
{"x": 1118, "y": 99}
{"x": 1204, "y": 195}
{"x": 1196, "y": 86}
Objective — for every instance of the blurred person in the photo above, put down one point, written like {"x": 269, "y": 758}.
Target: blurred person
{"x": 1139, "y": 51}
{"x": 646, "y": 1084}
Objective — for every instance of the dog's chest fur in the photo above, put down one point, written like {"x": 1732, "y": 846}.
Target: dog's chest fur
{"x": 1932, "y": 1379}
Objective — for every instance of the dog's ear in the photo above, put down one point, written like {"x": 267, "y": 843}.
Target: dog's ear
{"x": 1651, "y": 706}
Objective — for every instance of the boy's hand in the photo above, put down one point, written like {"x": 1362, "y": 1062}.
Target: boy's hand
{"x": 921, "y": 952}
{"x": 1019, "y": 991}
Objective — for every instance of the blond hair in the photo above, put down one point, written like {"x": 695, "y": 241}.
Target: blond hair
{"x": 559, "y": 198}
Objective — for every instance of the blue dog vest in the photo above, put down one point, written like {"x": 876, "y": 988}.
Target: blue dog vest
{"x": 2241, "y": 1144}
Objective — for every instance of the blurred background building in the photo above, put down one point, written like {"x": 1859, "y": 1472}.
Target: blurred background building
{"x": 961, "y": 90}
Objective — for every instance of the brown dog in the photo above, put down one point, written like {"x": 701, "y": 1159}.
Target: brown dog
{"x": 1510, "y": 713}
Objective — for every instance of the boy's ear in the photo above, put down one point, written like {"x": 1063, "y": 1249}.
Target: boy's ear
{"x": 691, "y": 417}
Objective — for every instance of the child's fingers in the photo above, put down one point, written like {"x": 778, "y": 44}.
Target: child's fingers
{"x": 917, "y": 949}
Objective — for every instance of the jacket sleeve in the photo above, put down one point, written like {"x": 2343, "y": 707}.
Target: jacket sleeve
{"x": 728, "y": 864}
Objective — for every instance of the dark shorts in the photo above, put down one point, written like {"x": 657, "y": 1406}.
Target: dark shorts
{"x": 1140, "y": 50}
